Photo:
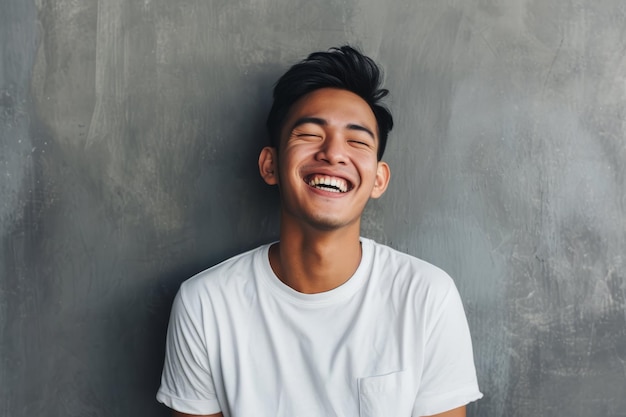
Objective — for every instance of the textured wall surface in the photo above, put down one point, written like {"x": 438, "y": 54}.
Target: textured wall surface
{"x": 129, "y": 132}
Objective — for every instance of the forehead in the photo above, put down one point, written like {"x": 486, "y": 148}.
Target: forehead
{"x": 337, "y": 107}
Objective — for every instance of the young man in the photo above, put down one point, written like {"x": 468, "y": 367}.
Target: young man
{"x": 324, "y": 322}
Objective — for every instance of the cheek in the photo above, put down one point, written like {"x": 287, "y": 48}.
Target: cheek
{"x": 369, "y": 168}
{"x": 292, "y": 158}
{"x": 288, "y": 167}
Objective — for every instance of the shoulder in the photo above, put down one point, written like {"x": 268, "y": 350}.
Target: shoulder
{"x": 227, "y": 277}
{"x": 407, "y": 272}
{"x": 424, "y": 291}
{"x": 397, "y": 263}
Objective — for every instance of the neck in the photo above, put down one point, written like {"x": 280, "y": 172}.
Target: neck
{"x": 314, "y": 261}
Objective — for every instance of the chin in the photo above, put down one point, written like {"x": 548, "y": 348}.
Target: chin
{"x": 329, "y": 223}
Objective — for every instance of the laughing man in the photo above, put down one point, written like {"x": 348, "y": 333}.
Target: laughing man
{"x": 323, "y": 322}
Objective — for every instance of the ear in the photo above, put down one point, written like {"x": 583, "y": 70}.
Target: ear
{"x": 383, "y": 174}
{"x": 268, "y": 166}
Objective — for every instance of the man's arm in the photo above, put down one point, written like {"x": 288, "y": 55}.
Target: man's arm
{"x": 187, "y": 382}
{"x": 457, "y": 412}
{"x": 179, "y": 414}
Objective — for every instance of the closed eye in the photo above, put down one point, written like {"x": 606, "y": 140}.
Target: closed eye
{"x": 359, "y": 142}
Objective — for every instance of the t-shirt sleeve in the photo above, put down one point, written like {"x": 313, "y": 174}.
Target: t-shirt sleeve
{"x": 449, "y": 376}
{"x": 187, "y": 383}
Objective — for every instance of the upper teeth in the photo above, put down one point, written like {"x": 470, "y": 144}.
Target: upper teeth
{"x": 329, "y": 183}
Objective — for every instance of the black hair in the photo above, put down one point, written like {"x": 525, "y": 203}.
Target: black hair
{"x": 344, "y": 68}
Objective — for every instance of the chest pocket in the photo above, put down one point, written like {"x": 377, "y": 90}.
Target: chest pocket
{"x": 386, "y": 395}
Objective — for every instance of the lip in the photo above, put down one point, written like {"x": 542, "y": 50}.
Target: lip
{"x": 339, "y": 172}
{"x": 325, "y": 173}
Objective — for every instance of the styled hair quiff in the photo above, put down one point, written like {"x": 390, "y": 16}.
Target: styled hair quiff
{"x": 343, "y": 67}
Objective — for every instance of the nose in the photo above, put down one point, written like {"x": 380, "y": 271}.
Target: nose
{"x": 333, "y": 150}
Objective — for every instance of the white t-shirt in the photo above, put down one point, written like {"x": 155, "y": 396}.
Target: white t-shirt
{"x": 393, "y": 340}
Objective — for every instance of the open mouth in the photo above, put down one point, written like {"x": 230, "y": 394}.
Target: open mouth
{"x": 326, "y": 183}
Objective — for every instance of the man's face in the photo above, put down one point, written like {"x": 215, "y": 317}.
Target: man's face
{"x": 326, "y": 166}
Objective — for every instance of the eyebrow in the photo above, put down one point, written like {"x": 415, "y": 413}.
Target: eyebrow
{"x": 322, "y": 122}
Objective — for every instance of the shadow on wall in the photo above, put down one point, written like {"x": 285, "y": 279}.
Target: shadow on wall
{"x": 140, "y": 171}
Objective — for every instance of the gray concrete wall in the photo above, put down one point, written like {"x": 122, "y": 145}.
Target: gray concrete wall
{"x": 128, "y": 139}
